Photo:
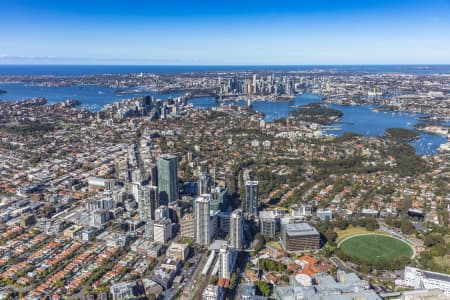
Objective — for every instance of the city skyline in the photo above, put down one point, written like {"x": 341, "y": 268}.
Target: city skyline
{"x": 225, "y": 150}
{"x": 231, "y": 33}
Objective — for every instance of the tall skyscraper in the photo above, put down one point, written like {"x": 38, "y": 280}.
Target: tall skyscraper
{"x": 162, "y": 212}
{"x": 147, "y": 102}
{"x": 202, "y": 221}
{"x": 251, "y": 197}
{"x": 167, "y": 178}
{"x": 219, "y": 199}
{"x": 148, "y": 198}
{"x": 203, "y": 184}
{"x": 154, "y": 175}
{"x": 227, "y": 260}
{"x": 224, "y": 263}
{"x": 237, "y": 229}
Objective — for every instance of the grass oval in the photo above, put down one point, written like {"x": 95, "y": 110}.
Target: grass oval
{"x": 375, "y": 247}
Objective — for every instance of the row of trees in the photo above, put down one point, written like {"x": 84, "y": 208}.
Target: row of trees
{"x": 268, "y": 264}
{"x": 327, "y": 227}
{"x": 316, "y": 114}
{"x": 29, "y": 128}
{"x": 354, "y": 164}
{"x": 402, "y": 134}
{"x": 405, "y": 225}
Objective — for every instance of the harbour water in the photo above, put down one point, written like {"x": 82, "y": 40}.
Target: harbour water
{"x": 359, "y": 119}
{"x": 93, "y": 97}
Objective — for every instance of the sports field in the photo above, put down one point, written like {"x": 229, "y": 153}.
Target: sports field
{"x": 375, "y": 247}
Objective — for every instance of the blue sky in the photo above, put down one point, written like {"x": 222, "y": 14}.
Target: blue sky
{"x": 225, "y": 32}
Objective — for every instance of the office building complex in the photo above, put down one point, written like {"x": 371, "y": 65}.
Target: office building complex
{"x": 224, "y": 221}
{"x": 167, "y": 178}
{"x": 237, "y": 229}
{"x": 269, "y": 223}
{"x": 178, "y": 251}
{"x": 300, "y": 236}
{"x": 162, "y": 231}
{"x": 251, "y": 197}
{"x": 219, "y": 199}
{"x": 202, "y": 221}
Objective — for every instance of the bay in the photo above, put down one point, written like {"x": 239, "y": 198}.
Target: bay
{"x": 93, "y": 97}
{"x": 359, "y": 118}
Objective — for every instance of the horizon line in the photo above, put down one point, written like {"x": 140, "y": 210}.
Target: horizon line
{"x": 228, "y": 65}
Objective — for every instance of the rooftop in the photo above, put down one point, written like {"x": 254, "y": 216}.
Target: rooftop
{"x": 300, "y": 229}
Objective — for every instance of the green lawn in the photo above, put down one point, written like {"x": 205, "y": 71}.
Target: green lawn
{"x": 342, "y": 234}
{"x": 373, "y": 247}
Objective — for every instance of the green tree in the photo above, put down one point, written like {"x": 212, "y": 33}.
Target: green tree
{"x": 263, "y": 288}
{"x": 406, "y": 226}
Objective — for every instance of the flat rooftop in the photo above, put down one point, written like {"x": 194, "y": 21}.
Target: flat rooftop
{"x": 167, "y": 156}
{"x": 437, "y": 276}
{"x": 300, "y": 229}
{"x": 251, "y": 182}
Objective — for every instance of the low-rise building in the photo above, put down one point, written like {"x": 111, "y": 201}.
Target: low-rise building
{"x": 126, "y": 290}
{"x": 212, "y": 292}
{"x": 418, "y": 279}
{"x": 178, "y": 251}
{"x": 348, "y": 287}
{"x": 187, "y": 226}
{"x": 299, "y": 237}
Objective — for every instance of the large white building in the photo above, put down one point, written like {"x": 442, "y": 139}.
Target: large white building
{"x": 227, "y": 259}
{"x": 202, "y": 221}
{"x": 162, "y": 231}
{"x": 237, "y": 229}
{"x": 178, "y": 251}
{"x": 420, "y": 279}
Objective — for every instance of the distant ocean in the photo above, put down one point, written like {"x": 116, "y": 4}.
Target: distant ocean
{"x": 360, "y": 119}
{"x": 78, "y": 70}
